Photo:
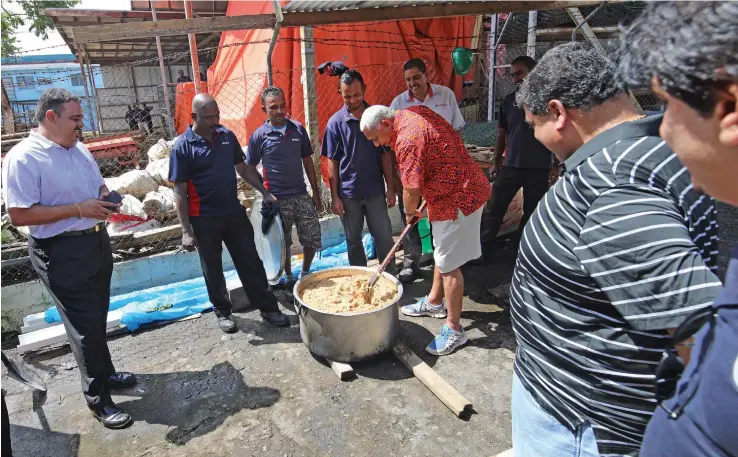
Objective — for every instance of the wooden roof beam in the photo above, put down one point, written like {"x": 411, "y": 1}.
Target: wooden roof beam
{"x": 299, "y": 19}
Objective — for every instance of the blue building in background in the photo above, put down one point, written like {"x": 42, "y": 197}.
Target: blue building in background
{"x": 25, "y": 78}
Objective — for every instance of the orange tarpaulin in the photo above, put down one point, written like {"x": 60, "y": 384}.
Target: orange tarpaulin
{"x": 377, "y": 50}
{"x": 183, "y": 104}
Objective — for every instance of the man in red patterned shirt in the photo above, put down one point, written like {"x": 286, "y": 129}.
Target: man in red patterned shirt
{"x": 435, "y": 165}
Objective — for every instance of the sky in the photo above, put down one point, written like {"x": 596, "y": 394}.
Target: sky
{"x": 28, "y": 41}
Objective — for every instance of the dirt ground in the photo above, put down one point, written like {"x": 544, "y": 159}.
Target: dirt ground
{"x": 260, "y": 392}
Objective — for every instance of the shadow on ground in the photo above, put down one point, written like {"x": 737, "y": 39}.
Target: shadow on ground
{"x": 32, "y": 441}
{"x": 194, "y": 402}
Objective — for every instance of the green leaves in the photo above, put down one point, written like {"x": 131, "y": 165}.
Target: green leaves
{"x": 31, "y": 13}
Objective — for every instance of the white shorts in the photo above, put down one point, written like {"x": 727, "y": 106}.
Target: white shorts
{"x": 457, "y": 242}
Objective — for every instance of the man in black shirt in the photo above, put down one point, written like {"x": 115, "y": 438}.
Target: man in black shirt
{"x": 528, "y": 163}
{"x": 183, "y": 78}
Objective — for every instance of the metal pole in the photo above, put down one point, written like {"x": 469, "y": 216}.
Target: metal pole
{"x": 586, "y": 21}
{"x": 84, "y": 82}
{"x": 492, "y": 59}
{"x": 95, "y": 98}
{"x": 193, "y": 48}
{"x": 310, "y": 94}
{"x": 532, "y": 24}
{"x": 273, "y": 42}
{"x": 168, "y": 124}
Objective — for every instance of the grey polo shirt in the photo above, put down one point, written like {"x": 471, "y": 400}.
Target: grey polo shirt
{"x": 619, "y": 250}
{"x": 39, "y": 171}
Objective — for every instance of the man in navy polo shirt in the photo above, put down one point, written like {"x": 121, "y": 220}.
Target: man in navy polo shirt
{"x": 201, "y": 165}
{"x": 693, "y": 66}
{"x": 358, "y": 171}
{"x": 285, "y": 148}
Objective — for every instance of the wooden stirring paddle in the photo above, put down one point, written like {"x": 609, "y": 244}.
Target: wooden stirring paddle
{"x": 391, "y": 254}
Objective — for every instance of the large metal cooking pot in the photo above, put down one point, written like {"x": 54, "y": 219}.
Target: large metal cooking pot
{"x": 348, "y": 337}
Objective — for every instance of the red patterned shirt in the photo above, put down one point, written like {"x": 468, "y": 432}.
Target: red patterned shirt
{"x": 431, "y": 157}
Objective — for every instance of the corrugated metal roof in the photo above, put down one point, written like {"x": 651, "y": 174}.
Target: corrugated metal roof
{"x": 295, "y": 6}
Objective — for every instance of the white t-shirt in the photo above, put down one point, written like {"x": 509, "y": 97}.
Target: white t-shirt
{"x": 440, "y": 99}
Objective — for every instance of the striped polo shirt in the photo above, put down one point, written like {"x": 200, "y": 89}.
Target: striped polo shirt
{"x": 619, "y": 250}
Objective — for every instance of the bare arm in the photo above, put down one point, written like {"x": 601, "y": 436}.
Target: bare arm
{"x": 307, "y": 162}
{"x": 181, "y": 202}
{"x": 333, "y": 180}
{"x": 411, "y": 200}
{"x": 388, "y": 170}
{"x": 41, "y": 214}
{"x": 251, "y": 175}
{"x": 500, "y": 145}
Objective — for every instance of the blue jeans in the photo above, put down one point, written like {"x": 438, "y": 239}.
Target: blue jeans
{"x": 537, "y": 433}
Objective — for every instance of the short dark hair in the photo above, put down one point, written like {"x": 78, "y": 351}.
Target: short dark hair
{"x": 690, "y": 57}
{"x": 53, "y": 99}
{"x": 528, "y": 62}
{"x": 573, "y": 73}
{"x": 416, "y": 63}
{"x": 349, "y": 77}
{"x": 271, "y": 91}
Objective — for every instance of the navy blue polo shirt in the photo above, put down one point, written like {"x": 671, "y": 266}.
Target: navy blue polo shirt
{"x": 359, "y": 161}
{"x": 207, "y": 166}
{"x": 708, "y": 389}
{"x": 282, "y": 156}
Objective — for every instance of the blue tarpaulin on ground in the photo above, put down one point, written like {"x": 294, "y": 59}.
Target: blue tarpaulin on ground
{"x": 185, "y": 298}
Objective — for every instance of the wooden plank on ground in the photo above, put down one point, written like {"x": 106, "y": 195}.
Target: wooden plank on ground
{"x": 344, "y": 371}
{"x": 57, "y": 334}
{"x": 433, "y": 381}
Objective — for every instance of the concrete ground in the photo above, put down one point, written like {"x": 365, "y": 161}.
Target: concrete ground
{"x": 260, "y": 392}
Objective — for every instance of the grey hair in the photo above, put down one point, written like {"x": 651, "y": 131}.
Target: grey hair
{"x": 374, "y": 115}
{"x": 271, "y": 91}
{"x": 573, "y": 73}
{"x": 54, "y": 99}
{"x": 689, "y": 47}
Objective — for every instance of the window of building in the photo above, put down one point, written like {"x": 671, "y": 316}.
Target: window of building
{"x": 25, "y": 81}
{"x": 77, "y": 80}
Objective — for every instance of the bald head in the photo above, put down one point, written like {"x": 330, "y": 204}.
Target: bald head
{"x": 205, "y": 114}
{"x": 202, "y": 101}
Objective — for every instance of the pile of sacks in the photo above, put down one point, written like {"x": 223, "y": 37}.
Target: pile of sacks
{"x": 148, "y": 197}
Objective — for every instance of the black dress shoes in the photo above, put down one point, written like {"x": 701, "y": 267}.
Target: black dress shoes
{"x": 111, "y": 416}
{"x": 121, "y": 379}
{"x": 277, "y": 318}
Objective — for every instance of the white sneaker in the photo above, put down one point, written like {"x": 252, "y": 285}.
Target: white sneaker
{"x": 424, "y": 308}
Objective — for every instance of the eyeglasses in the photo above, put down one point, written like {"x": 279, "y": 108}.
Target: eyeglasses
{"x": 671, "y": 367}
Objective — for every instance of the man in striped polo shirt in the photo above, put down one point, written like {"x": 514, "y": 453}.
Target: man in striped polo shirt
{"x": 617, "y": 254}
{"x": 693, "y": 66}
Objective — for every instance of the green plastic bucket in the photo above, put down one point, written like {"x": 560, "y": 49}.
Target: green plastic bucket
{"x": 426, "y": 241}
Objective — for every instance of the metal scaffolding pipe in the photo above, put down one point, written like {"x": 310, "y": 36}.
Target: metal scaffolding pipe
{"x": 84, "y": 82}
{"x": 273, "y": 42}
{"x": 193, "y": 48}
{"x": 95, "y": 98}
{"x": 165, "y": 87}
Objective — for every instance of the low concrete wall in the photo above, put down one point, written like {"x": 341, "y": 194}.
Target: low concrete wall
{"x": 20, "y": 300}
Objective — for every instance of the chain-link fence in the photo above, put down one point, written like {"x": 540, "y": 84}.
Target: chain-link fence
{"x": 135, "y": 127}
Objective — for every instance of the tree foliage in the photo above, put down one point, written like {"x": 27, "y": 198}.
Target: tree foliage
{"x": 32, "y": 15}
